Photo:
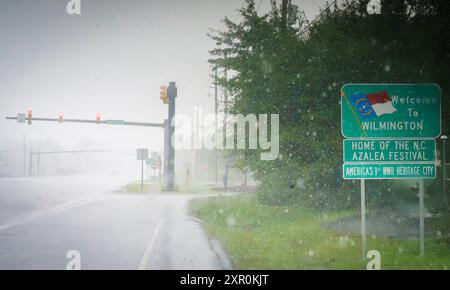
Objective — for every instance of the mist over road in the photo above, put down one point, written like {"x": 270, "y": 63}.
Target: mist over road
{"x": 42, "y": 219}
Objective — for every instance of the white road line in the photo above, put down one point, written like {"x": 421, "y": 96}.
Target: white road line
{"x": 74, "y": 204}
{"x": 66, "y": 206}
{"x": 149, "y": 248}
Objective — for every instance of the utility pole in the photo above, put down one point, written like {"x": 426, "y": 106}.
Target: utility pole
{"x": 216, "y": 111}
{"x": 38, "y": 164}
{"x": 57, "y": 159}
{"x": 24, "y": 156}
{"x": 225, "y": 111}
{"x": 225, "y": 104}
{"x": 284, "y": 13}
{"x": 197, "y": 140}
{"x": 31, "y": 163}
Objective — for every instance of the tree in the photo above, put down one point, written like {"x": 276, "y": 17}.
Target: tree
{"x": 298, "y": 73}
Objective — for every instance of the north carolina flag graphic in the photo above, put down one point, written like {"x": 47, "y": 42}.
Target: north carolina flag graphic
{"x": 372, "y": 105}
{"x": 381, "y": 103}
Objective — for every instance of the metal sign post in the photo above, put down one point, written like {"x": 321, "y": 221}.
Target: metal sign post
{"x": 444, "y": 138}
{"x": 142, "y": 155}
{"x": 363, "y": 219}
{"x": 422, "y": 217}
{"x": 142, "y": 175}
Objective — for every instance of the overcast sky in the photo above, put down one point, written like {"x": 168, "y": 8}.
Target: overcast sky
{"x": 110, "y": 59}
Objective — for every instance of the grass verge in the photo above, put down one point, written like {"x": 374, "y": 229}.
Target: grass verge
{"x": 269, "y": 237}
{"x": 135, "y": 187}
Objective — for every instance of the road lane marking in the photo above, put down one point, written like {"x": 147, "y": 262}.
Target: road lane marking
{"x": 149, "y": 248}
{"x": 74, "y": 204}
{"x": 60, "y": 208}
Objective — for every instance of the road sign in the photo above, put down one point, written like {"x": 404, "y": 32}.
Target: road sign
{"x": 154, "y": 161}
{"x": 21, "y": 118}
{"x": 391, "y": 110}
{"x": 389, "y": 171}
{"x": 154, "y": 155}
{"x": 157, "y": 163}
{"x": 204, "y": 167}
{"x": 141, "y": 154}
{"x": 389, "y": 150}
{"x": 114, "y": 122}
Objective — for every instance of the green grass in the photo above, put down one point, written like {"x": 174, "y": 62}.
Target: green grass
{"x": 135, "y": 187}
{"x": 267, "y": 237}
{"x": 194, "y": 188}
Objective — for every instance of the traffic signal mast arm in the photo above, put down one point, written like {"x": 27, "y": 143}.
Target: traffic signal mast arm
{"x": 106, "y": 122}
{"x": 168, "y": 94}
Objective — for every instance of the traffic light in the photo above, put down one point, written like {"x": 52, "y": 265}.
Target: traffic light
{"x": 163, "y": 95}
{"x": 98, "y": 118}
{"x": 30, "y": 116}
{"x": 61, "y": 117}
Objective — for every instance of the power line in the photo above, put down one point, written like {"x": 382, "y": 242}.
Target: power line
{"x": 259, "y": 5}
{"x": 318, "y": 16}
{"x": 239, "y": 11}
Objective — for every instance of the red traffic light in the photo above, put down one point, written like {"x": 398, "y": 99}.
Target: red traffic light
{"x": 30, "y": 116}
{"x": 163, "y": 95}
{"x": 98, "y": 118}
{"x": 61, "y": 117}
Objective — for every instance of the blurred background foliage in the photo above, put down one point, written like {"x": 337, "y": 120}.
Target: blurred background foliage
{"x": 297, "y": 70}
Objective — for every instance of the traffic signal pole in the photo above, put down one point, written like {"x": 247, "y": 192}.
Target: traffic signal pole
{"x": 168, "y": 95}
{"x": 170, "y": 129}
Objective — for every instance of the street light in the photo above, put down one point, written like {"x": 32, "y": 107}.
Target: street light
{"x": 444, "y": 139}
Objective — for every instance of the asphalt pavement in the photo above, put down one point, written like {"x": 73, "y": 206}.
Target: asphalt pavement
{"x": 43, "y": 221}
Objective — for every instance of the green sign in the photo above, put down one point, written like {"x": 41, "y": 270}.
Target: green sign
{"x": 389, "y": 151}
{"x": 115, "y": 122}
{"x": 391, "y": 110}
{"x": 389, "y": 171}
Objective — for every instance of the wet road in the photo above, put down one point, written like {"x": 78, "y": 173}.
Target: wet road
{"x": 42, "y": 219}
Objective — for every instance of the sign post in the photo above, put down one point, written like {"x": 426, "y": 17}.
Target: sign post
{"x": 391, "y": 130}
{"x": 363, "y": 219}
{"x": 444, "y": 138}
{"x": 142, "y": 155}
{"x": 422, "y": 217}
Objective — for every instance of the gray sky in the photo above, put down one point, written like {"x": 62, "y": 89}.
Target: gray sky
{"x": 110, "y": 59}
